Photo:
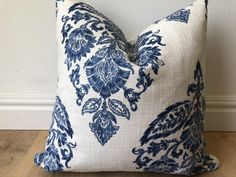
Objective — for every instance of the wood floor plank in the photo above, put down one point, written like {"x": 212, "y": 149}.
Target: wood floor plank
{"x": 17, "y": 149}
{"x": 26, "y": 167}
{"x": 13, "y": 147}
{"x": 223, "y": 145}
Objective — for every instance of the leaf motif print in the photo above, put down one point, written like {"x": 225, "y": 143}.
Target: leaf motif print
{"x": 92, "y": 105}
{"x": 118, "y": 108}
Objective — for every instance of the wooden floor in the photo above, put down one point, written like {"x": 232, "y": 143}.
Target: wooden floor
{"x": 17, "y": 149}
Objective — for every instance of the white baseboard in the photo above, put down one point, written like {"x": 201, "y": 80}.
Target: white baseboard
{"x": 27, "y": 112}
{"x": 33, "y": 112}
{"x": 221, "y": 112}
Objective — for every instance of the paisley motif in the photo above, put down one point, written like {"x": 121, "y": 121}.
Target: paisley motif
{"x": 59, "y": 147}
{"x": 160, "y": 152}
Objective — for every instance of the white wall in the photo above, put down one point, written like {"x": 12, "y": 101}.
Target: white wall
{"x": 28, "y": 56}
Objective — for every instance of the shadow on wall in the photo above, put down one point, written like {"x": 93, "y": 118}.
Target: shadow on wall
{"x": 215, "y": 63}
{"x": 221, "y": 53}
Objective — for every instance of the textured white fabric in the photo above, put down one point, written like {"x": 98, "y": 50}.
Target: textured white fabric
{"x": 156, "y": 100}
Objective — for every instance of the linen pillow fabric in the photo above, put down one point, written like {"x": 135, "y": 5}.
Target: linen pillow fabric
{"x": 124, "y": 106}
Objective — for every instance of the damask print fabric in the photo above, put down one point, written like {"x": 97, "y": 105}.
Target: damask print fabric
{"x": 125, "y": 106}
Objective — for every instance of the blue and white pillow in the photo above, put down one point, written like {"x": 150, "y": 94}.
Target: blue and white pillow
{"x": 123, "y": 106}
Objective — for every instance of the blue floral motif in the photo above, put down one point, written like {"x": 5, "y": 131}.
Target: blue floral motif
{"x": 162, "y": 151}
{"x": 50, "y": 158}
{"x": 104, "y": 121}
{"x": 181, "y": 15}
{"x": 107, "y": 72}
{"x": 95, "y": 20}
{"x": 81, "y": 90}
{"x": 58, "y": 139}
{"x": 109, "y": 69}
{"x": 144, "y": 57}
{"x": 103, "y": 125}
{"x": 81, "y": 40}
{"x": 78, "y": 44}
{"x": 143, "y": 82}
